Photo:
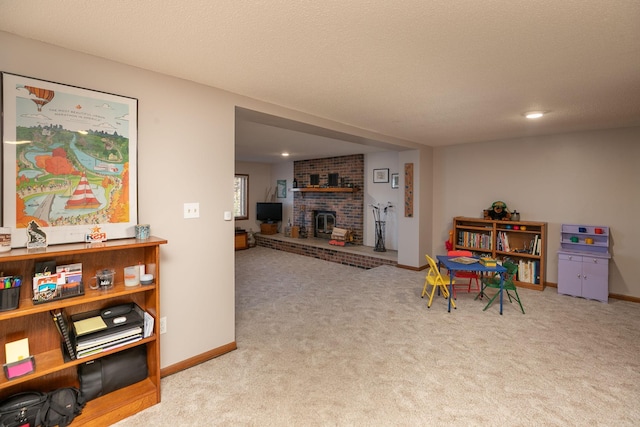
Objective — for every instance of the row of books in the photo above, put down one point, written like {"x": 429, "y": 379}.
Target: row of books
{"x": 474, "y": 240}
{"x": 535, "y": 245}
{"x": 529, "y": 271}
{"x": 95, "y": 332}
{"x": 503, "y": 244}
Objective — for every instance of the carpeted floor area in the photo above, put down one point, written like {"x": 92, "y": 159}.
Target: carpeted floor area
{"x": 322, "y": 344}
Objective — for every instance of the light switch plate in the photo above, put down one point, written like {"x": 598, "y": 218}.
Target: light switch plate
{"x": 192, "y": 210}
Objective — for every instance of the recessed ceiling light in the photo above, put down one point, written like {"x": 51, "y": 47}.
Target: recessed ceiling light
{"x": 285, "y": 154}
{"x": 534, "y": 114}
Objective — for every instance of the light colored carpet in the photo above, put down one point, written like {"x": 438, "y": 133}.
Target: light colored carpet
{"x": 322, "y": 344}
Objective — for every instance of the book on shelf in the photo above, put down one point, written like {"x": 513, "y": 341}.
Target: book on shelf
{"x": 106, "y": 343}
{"x": 62, "y": 324}
{"x": 87, "y": 341}
{"x": 529, "y": 271}
{"x": 535, "y": 245}
{"x": 474, "y": 240}
{"x": 503, "y": 242}
{"x": 488, "y": 262}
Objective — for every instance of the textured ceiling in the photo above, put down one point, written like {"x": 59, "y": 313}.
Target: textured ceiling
{"x": 431, "y": 72}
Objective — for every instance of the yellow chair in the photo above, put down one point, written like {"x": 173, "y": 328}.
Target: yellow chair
{"x": 436, "y": 280}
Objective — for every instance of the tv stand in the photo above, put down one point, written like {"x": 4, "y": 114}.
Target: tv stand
{"x": 269, "y": 228}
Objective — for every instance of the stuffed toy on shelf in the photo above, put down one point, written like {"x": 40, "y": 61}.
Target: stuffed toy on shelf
{"x": 497, "y": 211}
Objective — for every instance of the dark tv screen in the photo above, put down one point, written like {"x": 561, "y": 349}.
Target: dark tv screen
{"x": 269, "y": 212}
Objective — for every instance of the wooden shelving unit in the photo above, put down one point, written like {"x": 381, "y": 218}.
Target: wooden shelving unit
{"x": 34, "y": 321}
{"x": 487, "y": 237}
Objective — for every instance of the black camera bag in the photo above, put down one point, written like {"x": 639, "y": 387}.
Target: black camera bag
{"x": 24, "y": 409}
{"x": 110, "y": 373}
{"x": 64, "y": 404}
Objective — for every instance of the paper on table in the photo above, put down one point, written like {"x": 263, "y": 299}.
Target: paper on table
{"x": 464, "y": 260}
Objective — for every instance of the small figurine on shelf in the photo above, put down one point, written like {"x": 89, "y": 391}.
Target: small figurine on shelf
{"x": 497, "y": 211}
{"x": 251, "y": 239}
{"x": 36, "y": 237}
{"x": 515, "y": 216}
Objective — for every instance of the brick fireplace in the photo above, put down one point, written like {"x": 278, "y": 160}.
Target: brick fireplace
{"x": 348, "y": 207}
{"x": 323, "y": 223}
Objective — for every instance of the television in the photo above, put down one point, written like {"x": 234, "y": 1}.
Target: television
{"x": 269, "y": 212}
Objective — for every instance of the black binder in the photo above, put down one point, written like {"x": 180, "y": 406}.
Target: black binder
{"x": 60, "y": 320}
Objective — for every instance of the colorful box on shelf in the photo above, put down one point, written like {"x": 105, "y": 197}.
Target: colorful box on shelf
{"x": 488, "y": 262}
{"x": 66, "y": 282}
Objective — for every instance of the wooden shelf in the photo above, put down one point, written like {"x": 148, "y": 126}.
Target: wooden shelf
{"x": 27, "y": 307}
{"x": 34, "y": 321}
{"x": 52, "y": 361}
{"x": 113, "y": 407}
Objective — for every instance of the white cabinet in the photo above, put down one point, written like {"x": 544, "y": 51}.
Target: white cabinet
{"x": 584, "y": 275}
{"x": 583, "y": 261}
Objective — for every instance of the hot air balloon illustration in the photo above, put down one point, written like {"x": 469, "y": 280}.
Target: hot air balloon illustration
{"x": 43, "y": 96}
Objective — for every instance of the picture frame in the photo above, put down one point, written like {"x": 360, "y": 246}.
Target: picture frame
{"x": 380, "y": 176}
{"x": 69, "y": 162}
{"x": 281, "y": 189}
{"x": 395, "y": 180}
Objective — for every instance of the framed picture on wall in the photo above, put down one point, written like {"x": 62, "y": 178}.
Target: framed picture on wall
{"x": 69, "y": 164}
{"x": 281, "y": 189}
{"x": 380, "y": 175}
{"x": 395, "y": 180}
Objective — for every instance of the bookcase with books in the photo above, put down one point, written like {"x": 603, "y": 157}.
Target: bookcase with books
{"x": 523, "y": 242}
{"x": 39, "y": 322}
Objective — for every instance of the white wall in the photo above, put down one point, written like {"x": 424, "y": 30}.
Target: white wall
{"x": 381, "y": 193}
{"x": 584, "y": 177}
{"x": 415, "y": 232}
{"x": 185, "y": 154}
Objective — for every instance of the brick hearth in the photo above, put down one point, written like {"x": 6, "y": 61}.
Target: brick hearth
{"x": 355, "y": 256}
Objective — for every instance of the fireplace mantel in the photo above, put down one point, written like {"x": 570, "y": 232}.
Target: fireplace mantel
{"x": 325, "y": 190}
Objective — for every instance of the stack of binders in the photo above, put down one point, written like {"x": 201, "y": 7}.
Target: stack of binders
{"x": 113, "y": 327}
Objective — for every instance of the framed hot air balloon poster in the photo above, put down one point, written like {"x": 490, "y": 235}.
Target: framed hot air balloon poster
{"x": 69, "y": 162}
